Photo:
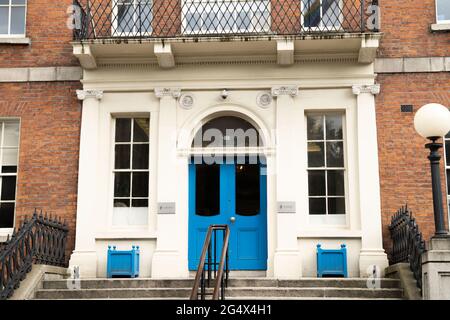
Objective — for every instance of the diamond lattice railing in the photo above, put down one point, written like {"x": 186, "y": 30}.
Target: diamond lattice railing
{"x": 101, "y": 19}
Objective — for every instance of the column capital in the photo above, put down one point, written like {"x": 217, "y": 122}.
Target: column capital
{"x": 373, "y": 89}
{"x": 168, "y": 92}
{"x": 285, "y": 90}
{"x": 85, "y": 94}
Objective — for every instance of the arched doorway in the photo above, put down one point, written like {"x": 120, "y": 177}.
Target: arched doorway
{"x": 228, "y": 185}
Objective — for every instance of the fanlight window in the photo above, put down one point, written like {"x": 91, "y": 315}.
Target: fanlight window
{"x": 227, "y": 131}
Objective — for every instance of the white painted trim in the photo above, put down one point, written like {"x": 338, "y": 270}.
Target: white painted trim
{"x": 6, "y": 39}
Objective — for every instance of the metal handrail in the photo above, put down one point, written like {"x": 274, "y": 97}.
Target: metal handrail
{"x": 221, "y": 274}
{"x": 407, "y": 242}
{"x": 40, "y": 240}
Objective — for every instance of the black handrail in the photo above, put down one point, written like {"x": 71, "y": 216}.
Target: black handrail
{"x": 407, "y": 242}
{"x": 208, "y": 267}
{"x": 40, "y": 240}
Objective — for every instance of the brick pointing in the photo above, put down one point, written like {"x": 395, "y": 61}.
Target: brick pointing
{"x": 406, "y": 30}
{"x": 404, "y": 168}
{"x": 50, "y": 38}
{"x": 49, "y": 145}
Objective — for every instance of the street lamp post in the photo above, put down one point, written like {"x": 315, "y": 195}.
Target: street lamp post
{"x": 432, "y": 121}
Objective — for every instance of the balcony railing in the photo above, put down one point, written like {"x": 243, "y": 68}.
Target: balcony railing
{"x": 111, "y": 19}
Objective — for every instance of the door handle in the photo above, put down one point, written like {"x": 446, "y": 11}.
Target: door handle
{"x": 233, "y": 219}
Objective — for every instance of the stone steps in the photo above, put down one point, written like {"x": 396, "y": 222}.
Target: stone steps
{"x": 239, "y": 289}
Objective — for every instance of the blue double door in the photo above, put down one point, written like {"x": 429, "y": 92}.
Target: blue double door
{"x": 233, "y": 194}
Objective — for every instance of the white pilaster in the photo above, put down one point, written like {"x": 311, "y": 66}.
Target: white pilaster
{"x": 84, "y": 254}
{"x": 372, "y": 252}
{"x": 287, "y": 261}
{"x": 168, "y": 260}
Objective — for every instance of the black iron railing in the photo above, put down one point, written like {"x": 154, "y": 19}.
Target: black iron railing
{"x": 210, "y": 268}
{"x": 40, "y": 240}
{"x": 407, "y": 241}
{"x": 103, "y": 19}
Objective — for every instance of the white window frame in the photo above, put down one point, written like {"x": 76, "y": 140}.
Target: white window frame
{"x": 321, "y": 26}
{"x": 115, "y": 17}
{"x": 131, "y": 170}
{"x": 201, "y": 7}
{"x": 8, "y": 231}
{"x": 335, "y": 220}
{"x": 10, "y": 6}
{"x": 437, "y": 15}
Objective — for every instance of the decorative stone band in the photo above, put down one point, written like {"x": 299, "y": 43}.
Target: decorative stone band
{"x": 168, "y": 92}
{"x": 285, "y": 90}
{"x": 86, "y": 94}
{"x": 373, "y": 89}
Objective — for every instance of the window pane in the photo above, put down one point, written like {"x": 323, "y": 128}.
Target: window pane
{"x": 145, "y": 22}
{"x": 207, "y": 190}
{"x": 18, "y": 20}
{"x": 331, "y": 13}
{"x": 336, "y": 205}
{"x": 334, "y": 127}
{"x": 123, "y": 130}
{"x": 4, "y": 2}
{"x": 335, "y": 154}
{"x": 443, "y": 9}
{"x": 121, "y": 203}
{"x": 9, "y": 157}
{"x": 17, "y": 1}
{"x": 193, "y": 21}
{"x": 125, "y": 16}
{"x": 315, "y": 127}
{"x": 11, "y": 138}
{"x": 316, "y": 183}
{"x": 317, "y": 206}
{"x": 336, "y": 183}
{"x": 140, "y": 184}
{"x": 7, "y": 215}
{"x": 9, "y": 169}
{"x": 8, "y": 188}
{"x": 311, "y": 10}
{"x": 141, "y": 129}
{"x": 140, "y": 203}
{"x": 448, "y": 182}
{"x": 140, "y": 156}
{"x": 122, "y": 184}
{"x": 447, "y": 152}
{"x": 4, "y": 14}
{"x": 247, "y": 189}
{"x": 316, "y": 154}
{"x": 448, "y": 135}
{"x": 122, "y": 158}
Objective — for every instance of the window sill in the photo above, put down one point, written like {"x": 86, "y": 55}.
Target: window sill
{"x": 440, "y": 27}
{"x": 11, "y": 40}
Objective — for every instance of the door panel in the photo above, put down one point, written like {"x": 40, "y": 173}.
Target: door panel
{"x": 242, "y": 197}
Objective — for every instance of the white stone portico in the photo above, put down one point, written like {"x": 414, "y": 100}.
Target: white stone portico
{"x": 275, "y": 99}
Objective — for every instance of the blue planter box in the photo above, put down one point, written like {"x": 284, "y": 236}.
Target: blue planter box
{"x": 123, "y": 263}
{"x": 332, "y": 262}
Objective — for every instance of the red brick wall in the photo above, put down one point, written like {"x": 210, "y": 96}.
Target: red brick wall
{"x": 50, "y": 38}
{"x": 404, "y": 168}
{"x": 406, "y": 28}
{"x": 49, "y": 142}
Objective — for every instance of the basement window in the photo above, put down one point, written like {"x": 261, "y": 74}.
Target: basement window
{"x": 131, "y": 171}
{"x": 12, "y": 18}
{"x": 9, "y": 153}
